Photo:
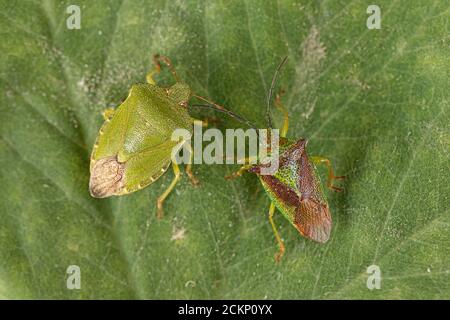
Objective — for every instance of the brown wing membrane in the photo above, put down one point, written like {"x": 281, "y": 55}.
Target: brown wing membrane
{"x": 312, "y": 217}
{"x": 313, "y": 220}
{"x": 107, "y": 177}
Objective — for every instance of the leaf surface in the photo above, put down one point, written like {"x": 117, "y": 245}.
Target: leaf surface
{"x": 376, "y": 102}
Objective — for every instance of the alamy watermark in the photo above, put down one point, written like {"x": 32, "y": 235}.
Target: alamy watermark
{"x": 74, "y": 277}
{"x": 252, "y": 146}
{"x": 374, "y": 20}
{"x": 73, "y": 21}
{"x": 374, "y": 278}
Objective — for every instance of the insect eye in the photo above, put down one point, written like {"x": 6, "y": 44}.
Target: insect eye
{"x": 302, "y": 143}
{"x": 296, "y": 155}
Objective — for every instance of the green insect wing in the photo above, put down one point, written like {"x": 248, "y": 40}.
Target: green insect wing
{"x": 134, "y": 146}
{"x": 297, "y": 192}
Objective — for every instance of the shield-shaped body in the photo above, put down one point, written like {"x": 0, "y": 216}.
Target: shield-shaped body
{"x": 134, "y": 146}
{"x": 296, "y": 191}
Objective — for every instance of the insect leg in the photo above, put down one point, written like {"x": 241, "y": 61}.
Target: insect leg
{"x": 239, "y": 172}
{"x": 246, "y": 160}
{"x": 283, "y": 109}
{"x": 162, "y": 198}
{"x": 205, "y": 122}
{"x": 157, "y": 59}
{"x": 108, "y": 113}
{"x": 331, "y": 176}
{"x": 277, "y": 235}
{"x": 156, "y": 70}
{"x": 188, "y": 169}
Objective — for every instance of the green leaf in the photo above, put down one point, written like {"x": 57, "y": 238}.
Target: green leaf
{"x": 376, "y": 102}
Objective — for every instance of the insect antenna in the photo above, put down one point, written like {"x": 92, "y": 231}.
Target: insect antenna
{"x": 215, "y": 106}
{"x": 269, "y": 96}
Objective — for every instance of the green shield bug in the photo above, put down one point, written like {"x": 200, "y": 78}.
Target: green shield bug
{"x": 134, "y": 147}
{"x": 294, "y": 188}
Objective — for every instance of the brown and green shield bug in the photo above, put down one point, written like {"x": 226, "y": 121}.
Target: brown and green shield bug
{"x": 134, "y": 147}
{"x": 295, "y": 188}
